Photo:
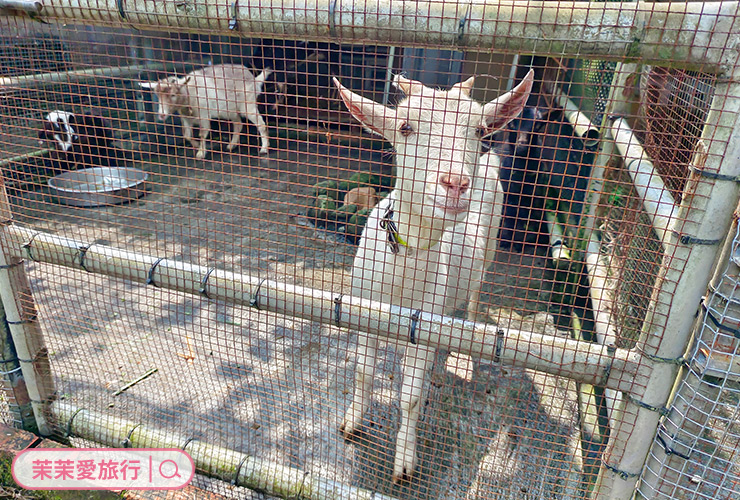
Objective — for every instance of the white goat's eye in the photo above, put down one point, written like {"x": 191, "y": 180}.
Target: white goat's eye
{"x": 480, "y": 131}
{"x": 405, "y": 129}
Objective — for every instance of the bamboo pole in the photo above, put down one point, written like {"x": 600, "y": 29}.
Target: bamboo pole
{"x": 214, "y": 461}
{"x": 589, "y": 363}
{"x": 26, "y": 156}
{"x": 692, "y": 35}
{"x": 695, "y": 397}
{"x": 582, "y": 125}
{"x": 656, "y": 199}
{"x": 20, "y": 310}
{"x": 682, "y": 281}
{"x": 40, "y": 80}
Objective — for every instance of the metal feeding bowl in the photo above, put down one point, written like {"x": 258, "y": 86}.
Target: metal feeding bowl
{"x": 94, "y": 187}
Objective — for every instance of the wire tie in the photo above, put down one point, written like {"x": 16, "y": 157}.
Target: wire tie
{"x": 714, "y": 175}
{"x": 150, "y": 276}
{"x": 610, "y": 350}
{"x": 126, "y": 443}
{"x": 623, "y": 474}
{"x": 332, "y": 21}
{"x": 685, "y": 239}
{"x": 462, "y": 23}
{"x": 23, "y": 321}
{"x": 69, "y": 422}
{"x": 27, "y": 246}
{"x": 499, "y": 345}
{"x": 121, "y": 11}
{"x": 671, "y": 361}
{"x": 204, "y": 283}
{"x": 412, "y": 330}
{"x": 255, "y": 301}
{"x": 6, "y": 222}
{"x": 733, "y": 331}
{"x": 187, "y": 442}
{"x": 83, "y": 251}
{"x": 238, "y": 469}
{"x": 661, "y": 410}
{"x": 16, "y": 369}
{"x": 9, "y": 360}
{"x": 668, "y": 450}
{"x": 234, "y": 22}
{"x": 11, "y": 266}
{"x": 338, "y": 310}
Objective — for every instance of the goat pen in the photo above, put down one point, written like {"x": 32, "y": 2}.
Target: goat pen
{"x": 205, "y": 304}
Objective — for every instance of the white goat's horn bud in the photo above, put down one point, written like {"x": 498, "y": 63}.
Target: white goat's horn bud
{"x": 407, "y": 86}
{"x": 465, "y": 86}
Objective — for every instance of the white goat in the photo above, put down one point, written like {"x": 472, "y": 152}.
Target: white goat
{"x": 227, "y": 91}
{"x": 427, "y": 243}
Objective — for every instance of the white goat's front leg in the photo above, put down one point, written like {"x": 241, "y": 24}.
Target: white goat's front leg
{"x": 187, "y": 132}
{"x": 367, "y": 346}
{"x": 416, "y": 365}
{"x": 205, "y": 129}
{"x": 236, "y": 134}
{"x": 254, "y": 117}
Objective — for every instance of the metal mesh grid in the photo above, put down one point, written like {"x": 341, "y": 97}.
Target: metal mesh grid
{"x": 276, "y": 386}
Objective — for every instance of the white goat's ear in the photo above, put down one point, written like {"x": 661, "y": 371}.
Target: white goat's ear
{"x": 147, "y": 85}
{"x": 373, "y": 116}
{"x": 499, "y": 112}
{"x": 466, "y": 86}
{"x": 408, "y": 87}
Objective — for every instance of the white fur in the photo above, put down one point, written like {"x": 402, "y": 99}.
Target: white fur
{"x": 227, "y": 91}
{"x": 447, "y": 206}
{"x": 65, "y": 137}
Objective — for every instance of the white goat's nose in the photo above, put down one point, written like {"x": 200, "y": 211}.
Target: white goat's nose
{"x": 455, "y": 184}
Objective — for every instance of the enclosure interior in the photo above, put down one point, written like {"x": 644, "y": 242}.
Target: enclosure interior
{"x": 276, "y": 386}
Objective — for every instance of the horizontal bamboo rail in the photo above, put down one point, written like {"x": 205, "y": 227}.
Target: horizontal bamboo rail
{"x": 215, "y": 461}
{"x": 656, "y": 199}
{"x": 582, "y": 361}
{"x": 692, "y": 35}
{"x": 39, "y": 80}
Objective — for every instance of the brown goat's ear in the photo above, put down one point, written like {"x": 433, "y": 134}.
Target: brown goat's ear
{"x": 466, "y": 86}
{"x": 374, "y": 117}
{"x": 499, "y": 112}
{"x": 408, "y": 87}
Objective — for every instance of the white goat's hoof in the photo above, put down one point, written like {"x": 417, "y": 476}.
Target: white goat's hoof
{"x": 263, "y": 151}
{"x": 404, "y": 467}
{"x": 200, "y": 155}
{"x": 230, "y": 147}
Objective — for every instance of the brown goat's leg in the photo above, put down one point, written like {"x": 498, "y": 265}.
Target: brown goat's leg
{"x": 187, "y": 132}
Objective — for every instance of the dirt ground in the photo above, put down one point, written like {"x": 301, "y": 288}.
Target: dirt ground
{"x": 274, "y": 386}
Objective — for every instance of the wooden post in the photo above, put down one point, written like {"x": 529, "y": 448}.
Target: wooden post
{"x": 691, "y": 252}
{"x": 20, "y": 310}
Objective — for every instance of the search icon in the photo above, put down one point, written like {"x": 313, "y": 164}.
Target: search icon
{"x": 174, "y": 474}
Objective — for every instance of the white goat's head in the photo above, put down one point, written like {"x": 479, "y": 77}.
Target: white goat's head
{"x": 437, "y": 138}
{"x": 169, "y": 94}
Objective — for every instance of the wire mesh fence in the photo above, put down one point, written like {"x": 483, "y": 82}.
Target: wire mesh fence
{"x": 301, "y": 244}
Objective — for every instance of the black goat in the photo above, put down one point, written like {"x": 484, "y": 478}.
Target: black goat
{"x": 79, "y": 141}
{"x": 521, "y": 166}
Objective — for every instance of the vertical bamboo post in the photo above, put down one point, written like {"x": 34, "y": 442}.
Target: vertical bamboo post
{"x": 704, "y": 223}
{"x": 11, "y": 380}
{"x": 20, "y": 310}
{"x": 695, "y": 398}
